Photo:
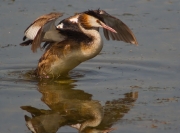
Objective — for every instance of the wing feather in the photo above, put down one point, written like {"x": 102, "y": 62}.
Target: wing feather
{"x": 42, "y": 25}
{"x": 37, "y": 40}
{"x": 123, "y": 31}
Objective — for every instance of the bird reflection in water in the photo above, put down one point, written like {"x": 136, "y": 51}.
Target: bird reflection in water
{"x": 76, "y": 109}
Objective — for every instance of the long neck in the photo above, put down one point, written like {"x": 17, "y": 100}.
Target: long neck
{"x": 94, "y": 47}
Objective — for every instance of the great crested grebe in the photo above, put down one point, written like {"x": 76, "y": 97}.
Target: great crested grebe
{"x": 73, "y": 40}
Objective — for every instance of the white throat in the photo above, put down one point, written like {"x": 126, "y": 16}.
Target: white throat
{"x": 94, "y": 47}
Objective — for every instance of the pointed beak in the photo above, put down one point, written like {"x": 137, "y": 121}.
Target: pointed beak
{"x": 107, "y": 27}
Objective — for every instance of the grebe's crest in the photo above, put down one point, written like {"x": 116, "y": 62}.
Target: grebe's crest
{"x": 95, "y": 13}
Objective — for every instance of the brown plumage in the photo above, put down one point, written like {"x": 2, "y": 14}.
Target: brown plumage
{"x": 41, "y": 26}
{"x": 74, "y": 40}
{"x": 83, "y": 19}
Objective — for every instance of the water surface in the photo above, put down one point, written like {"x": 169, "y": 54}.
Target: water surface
{"x": 136, "y": 88}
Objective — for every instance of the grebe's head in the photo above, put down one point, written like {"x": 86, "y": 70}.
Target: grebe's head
{"x": 91, "y": 19}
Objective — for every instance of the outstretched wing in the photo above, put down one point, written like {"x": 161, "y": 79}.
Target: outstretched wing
{"x": 123, "y": 31}
{"x": 43, "y": 29}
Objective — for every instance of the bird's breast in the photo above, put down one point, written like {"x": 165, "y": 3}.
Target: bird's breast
{"x": 91, "y": 49}
{"x": 62, "y": 57}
